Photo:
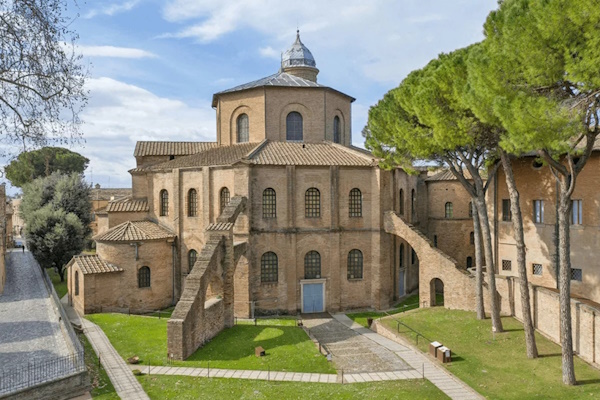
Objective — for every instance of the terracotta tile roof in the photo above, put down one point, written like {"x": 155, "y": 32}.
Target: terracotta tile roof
{"x": 275, "y": 153}
{"x": 109, "y": 193}
{"x": 447, "y": 175}
{"x": 170, "y": 148}
{"x": 135, "y": 231}
{"x": 127, "y": 204}
{"x": 319, "y": 154}
{"x": 222, "y": 155}
{"x": 93, "y": 264}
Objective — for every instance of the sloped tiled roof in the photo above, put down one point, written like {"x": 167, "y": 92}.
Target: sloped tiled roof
{"x": 93, "y": 264}
{"x": 127, "y": 204}
{"x": 135, "y": 231}
{"x": 223, "y": 155}
{"x": 280, "y": 79}
{"x": 447, "y": 175}
{"x": 109, "y": 193}
{"x": 318, "y": 154}
{"x": 170, "y": 148}
{"x": 275, "y": 153}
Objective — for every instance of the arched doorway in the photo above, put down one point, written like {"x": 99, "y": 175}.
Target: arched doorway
{"x": 436, "y": 292}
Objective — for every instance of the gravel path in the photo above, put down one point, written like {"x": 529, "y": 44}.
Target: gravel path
{"x": 29, "y": 327}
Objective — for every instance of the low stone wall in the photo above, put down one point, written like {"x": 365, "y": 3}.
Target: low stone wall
{"x": 61, "y": 389}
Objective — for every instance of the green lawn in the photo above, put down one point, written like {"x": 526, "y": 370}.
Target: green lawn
{"x": 60, "y": 287}
{"x": 288, "y": 348}
{"x": 184, "y": 387}
{"x": 497, "y": 367}
{"x": 102, "y": 387}
{"x": 410, "y": 303}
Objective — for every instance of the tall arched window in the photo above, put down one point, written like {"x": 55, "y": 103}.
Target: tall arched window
{"x": 472, "y": 238}
{"x": 401, "y": 200}
{"x": 269, "y": 203}
{"x": 312, "y": 265}
{"x": 355, "y": 203}
{"x": 401, "y": 256}
{"x": 470, "y": 209}
{"x": 337, "y": 134}
{"x": 76, "y": 283}
{"x": 449, "y": 210}
{"x": 312, "y": 203}
{"x": 192, "y": 257}
{"x": 269, "y": 268}
{"x": 192, "y": 203}
{"x": 413, "y": 200}
{"x": 469, "y": 262}
{"x": 144, "y": 277}
{"x": 243, "y": 128}
{"x": 164, "y": 203}
{"x": 293, "y": 126}
{"x": 223, "y": 199}
{"x": 355, "y": 264}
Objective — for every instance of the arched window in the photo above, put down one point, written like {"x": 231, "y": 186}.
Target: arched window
{"x": 243, "y": 129}
{"x": 312, "y": 265}
{"x": 223, "y": 199}
{"x": 413, "y": 200}
{"x": 312, "y": 203}
{"x": 472, "y": 237}
{"x": 449, "y": 210}
{"x": 164, "y": 203}
{"x": 355, "y": 203}
{"x": 192, "y": 257}
{"x": 144, "y": 277}
{"x": 435, "y": 242}
{"x": 337, "y": 136}
{"x": 192, "y": 203}
{"x": 470, "y": 209}
{"x": 401, "y": 200}
{"x": 269, "y": 203}
{"x": 401, "y": 256}
{"x": 76, "y": 283}
{"x": 355, "y": 264}
{"x": 269, "y": 268}
{"x": 293, "y": 126}
{"x": 469, "y": 262}
{"x": 413, "y": 255}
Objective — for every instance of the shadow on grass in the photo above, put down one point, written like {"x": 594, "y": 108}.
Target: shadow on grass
{"x": 588, "y": 381}
{"x": 457, "y": 358}
{"x": 513, "y": 330}
{"x": 549, "y": 355}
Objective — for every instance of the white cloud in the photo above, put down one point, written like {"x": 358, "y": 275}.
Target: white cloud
{"x": 269, "y": 52}
{"x": 120, "y": 114}
{"x": 113, "y": 51}
{"x": 380, "y": 38}
{"x": 112, "y": 9}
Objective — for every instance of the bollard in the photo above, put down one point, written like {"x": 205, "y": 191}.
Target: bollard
{"x": 269, "y": 373}
{"x": 208, "y": 373}
{"x": 99, "y": 360}
{"x": 342, "y": 376}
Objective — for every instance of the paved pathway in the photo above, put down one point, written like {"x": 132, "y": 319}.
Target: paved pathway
{"x": 351, "y": 351}
{"x": 29, "y": 326}
{"x": 436, "y": 374}
{"x": 125, "y": 383}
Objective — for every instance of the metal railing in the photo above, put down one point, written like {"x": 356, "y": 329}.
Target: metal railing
{"x": 398, "y": 323}
{"x": 41, "y": 371}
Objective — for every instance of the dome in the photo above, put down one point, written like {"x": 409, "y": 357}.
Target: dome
{"x": 298, "y": 55}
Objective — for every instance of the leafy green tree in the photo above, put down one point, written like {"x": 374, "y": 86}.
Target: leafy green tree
{"x": 31, "y": 165}
{"x": 539, "y": 72}
{"x": 57, "y": 215}
{"x": 425, "y": 119}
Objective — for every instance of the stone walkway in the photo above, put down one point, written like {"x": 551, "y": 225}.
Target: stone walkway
{"x": 351, "y": 351}
{"x": 436, "y": 374}
{"x": 125, "y": 383}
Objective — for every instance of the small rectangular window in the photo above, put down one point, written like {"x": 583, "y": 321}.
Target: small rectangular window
{"x": 537, "y": 269}
{"x": 576, "y": 274}
{"x": 577, "y": 212}
{"x": 506, "y": 265}
{"x": 538, "y": 211}
{"x": 506, "y": 213}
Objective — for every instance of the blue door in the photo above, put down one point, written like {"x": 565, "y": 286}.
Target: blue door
{"x": 401, "y": 283}
{"x": 312, "y": 298}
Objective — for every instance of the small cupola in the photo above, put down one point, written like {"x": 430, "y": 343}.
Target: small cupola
{"x": 299, "y": 61}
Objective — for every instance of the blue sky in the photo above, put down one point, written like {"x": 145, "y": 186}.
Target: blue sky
{"x": 154, "y": 64}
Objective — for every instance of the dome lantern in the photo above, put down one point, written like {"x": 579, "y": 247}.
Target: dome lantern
{"x": 299, "y": 61}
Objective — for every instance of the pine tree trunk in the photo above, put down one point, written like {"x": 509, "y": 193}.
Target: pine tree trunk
{"x": 517, "y": 220}
{"x": 61, "y": 273}
{"x": 478, "y": 264}
{"x": 489, "y": 260}
{"x": 564, "y": 282}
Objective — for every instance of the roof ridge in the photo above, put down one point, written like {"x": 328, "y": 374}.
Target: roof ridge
{"x": 352, "y": 151}
{"x": 257, "y": 149}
